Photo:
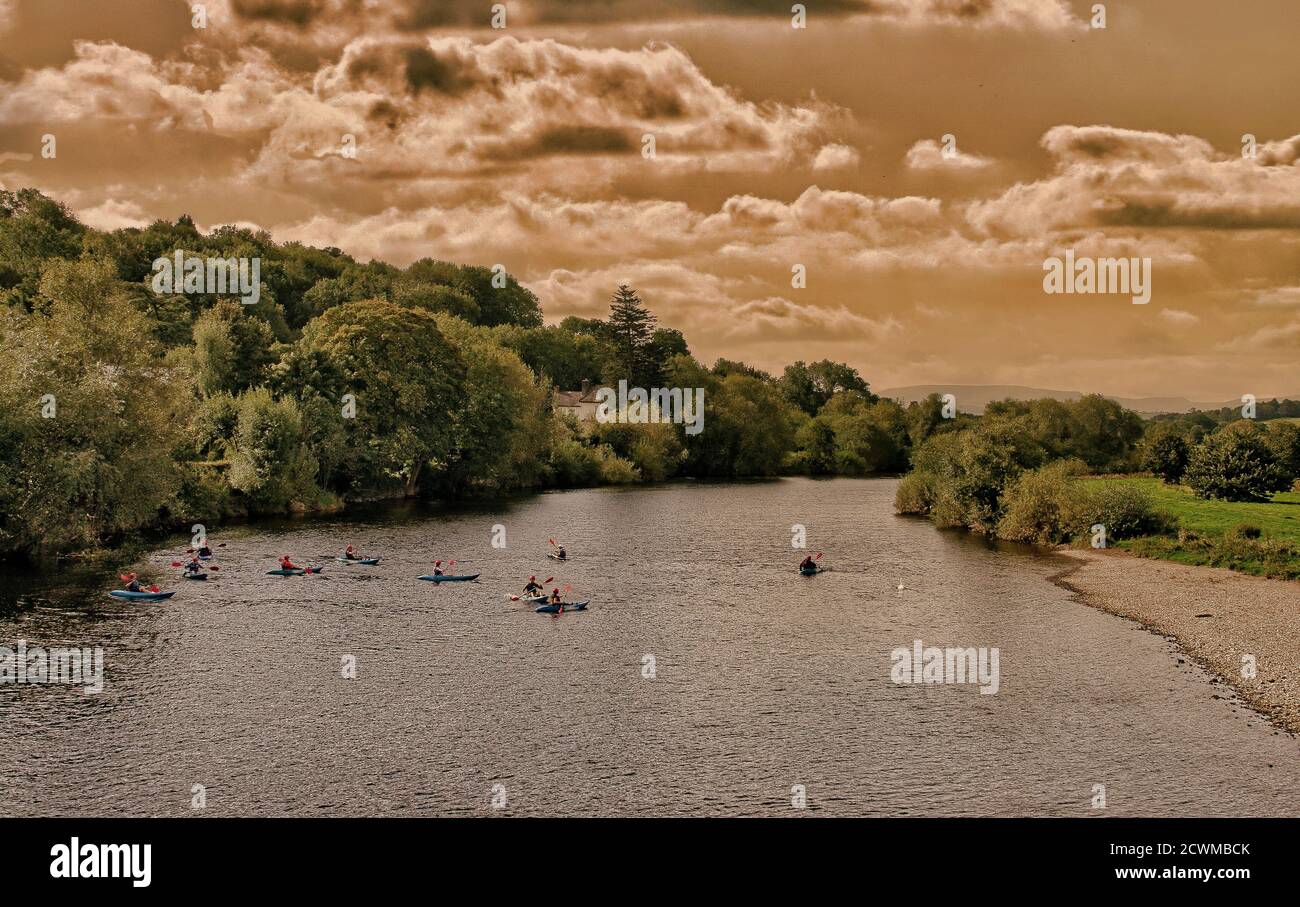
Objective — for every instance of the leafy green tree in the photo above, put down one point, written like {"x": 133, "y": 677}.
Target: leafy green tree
{"x": 498, "y": 434}
{"x": 809, "y": 387}
{"x": 1283, "y": 440}
{"x": 33, "y": 229}
{"x": 1166, "y": 456}
{"x": 1236, "y": 464}
{"x": 500, "y": 298}
{"x": 408, "y": 383}
{"x": 100, "y": 464}
{"x": 232, "y": 350}
{"x": 269, "y": 459}
{"x": 557, "y": 354}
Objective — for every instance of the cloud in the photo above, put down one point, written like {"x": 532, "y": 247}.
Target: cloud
{"x": 1178, "y": 316}
{"x": 927, "y": 155}
{"x": 114, "y": 214}
{"x": 1110, "y": 177}
{"x": 835, "y": 157}
{"x": 423, "y": 15}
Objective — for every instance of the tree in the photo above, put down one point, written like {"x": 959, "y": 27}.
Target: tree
{"x": 232, "y": 350}
{"x": 1235, "y": 464}
{"x": 630, "y": 329}
{"x": 89, "y": 415}
{"x": 1166, "y": 456}
{"x": 810, "y": 386}
{"x": 408, "y": 383}
{"x": 269, "y": 461}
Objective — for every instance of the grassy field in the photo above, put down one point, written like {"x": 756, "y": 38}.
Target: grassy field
{"x": 1277, "y": 554}
{"x": 1280, "y": 517}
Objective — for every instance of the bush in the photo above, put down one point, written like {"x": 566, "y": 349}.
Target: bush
{"x": 1236, "y": 464}
{"x": 1046, "y": 506}
{"x": 1127, "y": 512}
{"x": 1245, "y": 531}
{"x": 915, "y": 494}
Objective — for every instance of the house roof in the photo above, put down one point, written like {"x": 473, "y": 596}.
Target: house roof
{"x": 574, "y": 398}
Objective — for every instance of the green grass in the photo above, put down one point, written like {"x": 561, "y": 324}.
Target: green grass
{"x": 1211, "y": 543}
{"x": 1279, "y": 517}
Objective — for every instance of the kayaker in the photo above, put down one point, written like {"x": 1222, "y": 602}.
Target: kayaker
{"x": 133, "y": 583}
{"x": 437, "y": 568}
{"x": 204, "y": 551}
{"x": 555, "y": 597}
{"x": 533, "y": 587}
{"x": 351, "y": 554}
{"x": 194, "y": 567}
{"x": 808, "y": 564}
{"x": 562, "y": 556}
{"x": 286, "y": 564}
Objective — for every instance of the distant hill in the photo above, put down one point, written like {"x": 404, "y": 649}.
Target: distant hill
{"x": 972, "y": 398}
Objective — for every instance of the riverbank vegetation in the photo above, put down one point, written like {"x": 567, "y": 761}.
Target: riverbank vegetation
{"x": 1212, "y": 492}
{"x": 123, "y": 409}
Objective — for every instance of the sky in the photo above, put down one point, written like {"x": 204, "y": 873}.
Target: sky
{"x": 881, "y": 186}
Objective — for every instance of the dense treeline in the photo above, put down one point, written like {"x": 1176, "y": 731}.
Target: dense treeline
{"x": 1015, "y": 472}
{"x": 123, "y": 408}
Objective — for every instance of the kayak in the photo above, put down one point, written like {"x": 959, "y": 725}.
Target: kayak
{"x": 365, "y": 561}
{"x": 194, "y": 576}
{"x": 812, "y": 572}
{"x": 205, "y": 557}
{"x": 449, "y": 578}
{"x": 296, "y": 571}
{"x": 141, "y": 596}
{"x": 556, "y": 557}
{"x": 567, "y": 606}
{"x": 534, "y": 599}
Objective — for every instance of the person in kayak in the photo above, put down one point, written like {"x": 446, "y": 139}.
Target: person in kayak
{"x": 533, "y": 587}
{"x": 351, "y": 554}
{"x": 133, "y": 583}
{"x": 286, "y": 564}
{"x": 555, "y": 597}
{"x": 808, "y": 564}
{"x": 437, "y": 568}
{"x": 204, "y": 550}
{"x": 562, "y": 555}
{"x": 194, "y": 567}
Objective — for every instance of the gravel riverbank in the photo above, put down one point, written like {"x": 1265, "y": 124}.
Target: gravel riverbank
{"x": 1215, "y": 615}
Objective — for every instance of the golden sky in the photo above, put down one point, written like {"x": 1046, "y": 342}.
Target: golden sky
{"x": 774, "y": 147}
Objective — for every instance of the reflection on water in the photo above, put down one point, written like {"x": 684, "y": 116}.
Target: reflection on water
{"x": 762, "y": 679}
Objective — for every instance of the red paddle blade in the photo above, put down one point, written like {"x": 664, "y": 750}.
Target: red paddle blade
{"x": 547, "y": 580}
{"x": 124, "y": 577}
{"x": 818, "y": 557}
{"x": 568, "y": 587}
{"x": 552, "y": 541}
{"x": 154, "y": 589}
{"x": 214, "y": 568}
{"x": 177, "y": 564}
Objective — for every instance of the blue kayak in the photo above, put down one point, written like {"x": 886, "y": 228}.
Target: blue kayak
{"x": 449, "y": 578}
{"x": 141, "y": 596}
{"x": 812, "y": 572}
{"x": 296, "y": 571}
{"x": 205, "y": 557}
{"x": 567, "y": 606}
{"x": 194, "y": 576}
{"x": 365, "y": 561}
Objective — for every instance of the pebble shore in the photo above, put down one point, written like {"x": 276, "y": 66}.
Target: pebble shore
{"x": 1215, "y": 615}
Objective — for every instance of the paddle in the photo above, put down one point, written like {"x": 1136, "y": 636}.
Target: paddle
{"x": 213, "y": 567}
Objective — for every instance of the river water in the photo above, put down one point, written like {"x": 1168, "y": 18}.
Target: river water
{"x": 764, "y": 684}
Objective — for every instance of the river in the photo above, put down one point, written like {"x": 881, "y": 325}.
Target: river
{"x": 708, "y": 678}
